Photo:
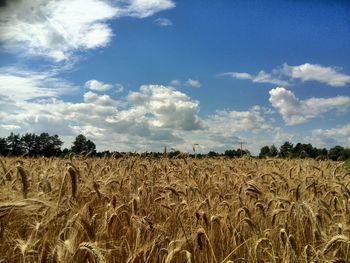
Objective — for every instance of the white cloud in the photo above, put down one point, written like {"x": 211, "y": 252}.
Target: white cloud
{"x": 166, "y": 107}
{"x": 228, "y": 122}
{"x": 10, "y": 127}
{"x": 264, "y": 77}
{"x": 97, "y": 85}
{"x": 261, "y": 77}
{"x": 145, "y": 8}
{"x": 100, "y": 86}
{"x": 295, "y": 111}
{"x": 55, "y": 28}
{"x": 96, "y": 99}
{"x": 193, "y": 83}
{"x": 175, "y": 82}
{"x": 163, "y": 22}
{"x": 239, "y": 75}
{"x": 304, "y": 72}
{"x": 58, "y": 29}
{"x": 226, "y": 129}
{"x": 119, "y": 88}
{"x": 22, "y": 85}
{"x": 308, "y": 72}
{"x": 148, "y": 118}
{"x": 331, "y": 137}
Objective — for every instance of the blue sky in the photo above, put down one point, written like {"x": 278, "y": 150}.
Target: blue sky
{"x": 140, "y": 74}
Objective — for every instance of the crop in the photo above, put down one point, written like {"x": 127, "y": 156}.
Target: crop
{"x": 133, "y": 209}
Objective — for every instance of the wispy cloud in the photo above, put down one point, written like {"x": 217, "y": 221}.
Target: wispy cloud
{"x": 143, "y": 8}
{"x": 22, "y": 85}
{"x": 175, "y": 82}
{"x": 287, "y": 75}
{"x": 59, "y": 29}
{"x": 264, "y": 77}
{"x": 261, "y": 77}
{"x": 239, "y": 75}
{"x": 295, "y": 111}
{"x": 193, "y": 83}
{"x": 314, "y": 72}
{"x": 119, "y": 88}
{"x": 163, "y": 22}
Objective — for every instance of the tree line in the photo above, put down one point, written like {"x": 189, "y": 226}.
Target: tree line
{"x": 48, "y": 145}
{"x": 303, "y": 150}
{"x": 290, "y": 151}
{"x": 44, "y": 144}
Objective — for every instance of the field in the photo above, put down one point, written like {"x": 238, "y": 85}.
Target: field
{"x": 173, "y": 210}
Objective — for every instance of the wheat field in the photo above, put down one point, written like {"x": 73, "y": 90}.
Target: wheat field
{"x": 173, "y": 210}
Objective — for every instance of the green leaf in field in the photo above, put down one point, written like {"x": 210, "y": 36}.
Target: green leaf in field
{"x": 347, "y": 164}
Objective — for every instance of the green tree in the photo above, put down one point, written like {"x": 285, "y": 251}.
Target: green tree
{"x": 322, "y": 153}
{"x": 286, "y": 149}
{"x": 296, "y": 150}
{"x": 173, "y": 154}
{"x": 15, "y": 145}
{"x": 273, "y": 152}
{"x": 231, "y": 153}
{"x": 346, "y": 154}
{"x": 49, "y": 145}
{"x": 241, "y": 153}
{"x": 264, "y": 151}
{"x": 336, "y": 153}
{"x": 81, "y": 144}
{"x": 308, "y": 150}
{"x": 3, "y": 147}
{"x": 31, "y": 143}
{"x": 212, "y": 154}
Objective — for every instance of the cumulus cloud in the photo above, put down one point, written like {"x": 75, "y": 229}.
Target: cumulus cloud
{"x": 148, "y": 118}
{"x": 226, "y": 129}
{"x": 234, "y": 122}
{"x": 163, "y": 22}
{"x": 315, "y": 72}
{"x": 295, "y": 111}
{"x": 96, "y": 99}
{"x": 166, "y": 107}
{"x": 193, "y": 83}
{"x": 58, "y": 29}
{"x": 286, "y": 75}
{"x": 154, "y": 113}
{"x": 97, "y": 85}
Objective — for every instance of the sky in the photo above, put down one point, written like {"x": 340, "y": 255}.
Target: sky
{"x": 138, "y": 75}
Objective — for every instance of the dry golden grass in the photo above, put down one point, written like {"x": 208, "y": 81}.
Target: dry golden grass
{"x": 173, "y": 210}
